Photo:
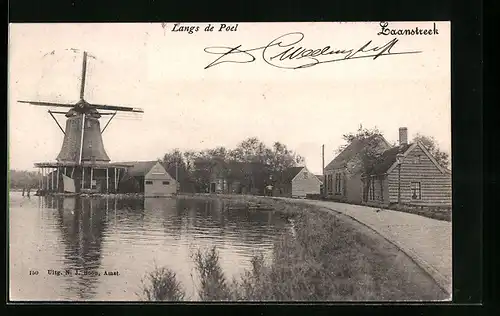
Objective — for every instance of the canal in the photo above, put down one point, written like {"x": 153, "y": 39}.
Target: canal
{"x": 80, "y": 237}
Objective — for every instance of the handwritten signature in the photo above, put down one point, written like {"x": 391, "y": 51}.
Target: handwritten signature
{"x": 297, "y": 57}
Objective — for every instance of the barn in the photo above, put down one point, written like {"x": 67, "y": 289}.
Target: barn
{"x": 409, "y": 175}
{"x": 296, "y": 182}
{"x": 148, "y": 177}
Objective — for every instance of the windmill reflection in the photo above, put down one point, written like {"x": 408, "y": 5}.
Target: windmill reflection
{"x": 83, "y": 224}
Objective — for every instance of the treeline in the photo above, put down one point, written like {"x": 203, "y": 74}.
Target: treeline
{"x": 20, "y": 179}
{"x": 249, "y": 158}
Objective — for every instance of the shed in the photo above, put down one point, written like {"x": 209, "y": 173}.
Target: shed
{"x": 148, "y": 177}
{"x": 296, "y": 182}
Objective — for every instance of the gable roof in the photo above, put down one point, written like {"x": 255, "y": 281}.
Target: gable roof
{"x": 288, "y": 174}
{"x": 139, "y": 168}
{"x": 354, "y": 148}
{"x": 171, "y": 172}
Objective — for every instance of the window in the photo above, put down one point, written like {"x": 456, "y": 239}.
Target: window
{"x": 329, "y": 183}
{"x": 416, "y": 193}
{"x": 416, "y": 159}
{"x": 372, "y": 189}
{"x": 166, "y": 182}
{"x": 149, "y": 182}
{"x": 338, "y": 183}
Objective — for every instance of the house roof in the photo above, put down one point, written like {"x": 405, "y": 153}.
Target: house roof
{"x": 320, "y": 177}
{"x": 387, "y": 159}
{"x": 139, "y": 168}
{"x": 171, "y": 172}
{"x": 288, "y": 174}
{"x": 354, "y": 148}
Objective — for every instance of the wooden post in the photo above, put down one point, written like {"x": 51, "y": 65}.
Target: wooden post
{"x": 107, "y": 183}
{"x": 399, "y": 184}
{"x": 83, "y": 177}
{"x": 323, "y": 168}
{"x": 47, "y": 176}
{"x": 91, "y": 176}
{"x": 40, "y": 181}
{"x": 81, "y": 138}
{"x": 116, "y": 184}
{"x": 57, "y": 183}
{"x": 177, "y": 183}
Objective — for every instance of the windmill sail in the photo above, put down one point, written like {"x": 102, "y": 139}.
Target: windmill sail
{"x": 84, "y": 73}
{"x": 48, "y": 104}
{"x": 116, "y": 108}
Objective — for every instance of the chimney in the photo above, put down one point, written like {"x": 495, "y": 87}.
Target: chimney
{"x": 403, "y": 136}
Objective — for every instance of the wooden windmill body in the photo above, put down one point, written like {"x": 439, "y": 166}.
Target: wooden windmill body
{"x": 82, "y": 164}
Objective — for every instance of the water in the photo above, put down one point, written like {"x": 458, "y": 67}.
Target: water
{"x": 127, "y": 236}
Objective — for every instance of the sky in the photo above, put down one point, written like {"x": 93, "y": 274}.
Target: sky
{"x": 186, "y": 106}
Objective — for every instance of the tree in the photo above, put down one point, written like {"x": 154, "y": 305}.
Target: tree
{"x": 249, "y": 161}
{"x": 250, "y": 150}
{"x": 360, "y": 134}
{"x": 176, "y": 164}
{"x": 283, "y": 158}
{"x": 430, "y": 144}
{"x": 23, "y": 179}
{"x": 369, "y": 155}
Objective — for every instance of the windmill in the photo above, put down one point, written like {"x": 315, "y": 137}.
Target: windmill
{"x": 82, "y": 145}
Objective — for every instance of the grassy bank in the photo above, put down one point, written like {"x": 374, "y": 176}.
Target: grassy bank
{"x": 439, "y": 213}
{"x": 324, "y": 257}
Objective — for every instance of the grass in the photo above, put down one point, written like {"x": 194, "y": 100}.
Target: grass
{"x": 442, "y": 213}
{"x": 323, "y": 258}
{"x": 439, "y": 213}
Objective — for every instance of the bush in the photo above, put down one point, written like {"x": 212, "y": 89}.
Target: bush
{"x": 213, "y": 284}
{"x": 162, "y": 285}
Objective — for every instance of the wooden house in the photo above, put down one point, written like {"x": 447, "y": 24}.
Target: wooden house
{"x": 296, "y": 182}
{"x": 407, "y": 174}
{"x": 148, "y": 177}
{"x": 343, "y": 174}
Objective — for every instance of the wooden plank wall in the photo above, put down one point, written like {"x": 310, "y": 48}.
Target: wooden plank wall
{"x": 435, "y": 186}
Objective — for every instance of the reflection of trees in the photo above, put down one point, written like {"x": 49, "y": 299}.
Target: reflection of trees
{"x": 216, "y": 216}
{"x": 82, "y": 223}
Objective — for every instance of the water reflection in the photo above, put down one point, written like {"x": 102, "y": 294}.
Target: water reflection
{"x": 82, "y": 225}
{"x": 129, "y": 236}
